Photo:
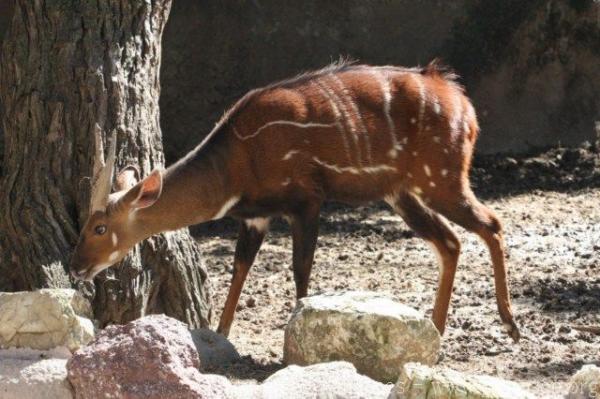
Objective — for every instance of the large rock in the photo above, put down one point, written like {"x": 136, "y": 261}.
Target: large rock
{"x": 153, "y": 357}
{"x": 324, "y": 380}
{"x": 585, "y": 384}
{"x": 421, "y": 382}
{"x": 45, "y": 319}
{"x": 374, "y": 333}
{"x": 215, "y": 350}
{"x": 28, "y": 374}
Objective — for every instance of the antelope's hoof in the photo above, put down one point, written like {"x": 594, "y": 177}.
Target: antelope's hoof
{"x": 513, "y": 331}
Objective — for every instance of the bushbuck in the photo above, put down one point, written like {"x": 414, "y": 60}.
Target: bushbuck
{"x": 349, "y": 133}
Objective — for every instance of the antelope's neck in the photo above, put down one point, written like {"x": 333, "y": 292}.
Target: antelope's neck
{"x": 194, "y": 191}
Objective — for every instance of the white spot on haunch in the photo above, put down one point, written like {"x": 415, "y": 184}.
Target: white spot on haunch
{"x": 226, "y": 207}
{"x": 415, "y": 153}
{"x": 409, "y": 174}
{"x": 114, "y": 239}
{"x": 427, "y": 170}
{"x": 289, "y": 155}
{"x": 282, "y": 122}
{"x": 286, "y": 182}
{"x": 259, "y": 224}
{"x": 444, "y": 172}
{"x": 413, "y": 120}
{"x": 417, "y": 190}
{"x": 437, "y": 139}
{"x": 431, "y": 184}
{"x": 427, "y": 128}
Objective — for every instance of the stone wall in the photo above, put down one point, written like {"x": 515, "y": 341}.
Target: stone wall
{"x": 530, "y": 67}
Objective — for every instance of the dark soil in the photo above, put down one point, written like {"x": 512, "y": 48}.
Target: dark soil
{"x": 550, "y": 205}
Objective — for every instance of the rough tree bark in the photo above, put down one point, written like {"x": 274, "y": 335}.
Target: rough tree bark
{"x": 68, "y": 65}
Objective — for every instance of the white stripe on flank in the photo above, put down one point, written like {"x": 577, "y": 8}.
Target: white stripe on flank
{"x": 347, "y": 120}
{"x": 384, "y": 82}
{"x": 289, "y": 155}
{"x": 361, "y": 125}
{"x": 347, "y": 116}
{"x": 326, "y": 92}
{"x": 282, "y": 122}
{"x": 355, "y": 171}
{"x": 226, "y": 207}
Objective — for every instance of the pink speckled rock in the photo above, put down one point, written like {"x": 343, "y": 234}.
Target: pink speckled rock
{"x": 152, "y": 357}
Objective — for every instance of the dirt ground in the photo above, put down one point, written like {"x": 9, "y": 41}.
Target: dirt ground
{"x": 550, "y": 205}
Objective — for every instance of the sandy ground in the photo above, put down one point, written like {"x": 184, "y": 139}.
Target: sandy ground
{"x": 550, "y": 206}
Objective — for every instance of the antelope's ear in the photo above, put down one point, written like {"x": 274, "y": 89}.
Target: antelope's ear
{"x": 146, "y": 192}
{"x": 127, "y": 178}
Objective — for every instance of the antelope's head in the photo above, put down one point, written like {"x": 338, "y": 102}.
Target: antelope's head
{"x": 112, "y": 229}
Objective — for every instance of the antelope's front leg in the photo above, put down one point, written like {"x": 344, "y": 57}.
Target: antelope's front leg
{"x": 250, "y": 238}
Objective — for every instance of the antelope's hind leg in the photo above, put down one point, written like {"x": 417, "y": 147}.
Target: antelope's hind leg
{"x": 250, "y": 238}
{"x": 432, "y": 228}
{"x": 469, "y": 213}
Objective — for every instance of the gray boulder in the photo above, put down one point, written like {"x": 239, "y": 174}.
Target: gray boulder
{"x": 371, "y": 331}
{"x": 215, "y": 350}
{"x": 421, "y": 382}
{"x": 45, "y": 319}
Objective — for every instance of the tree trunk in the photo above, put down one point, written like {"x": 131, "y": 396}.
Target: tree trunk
{"x": 66, "y": 66}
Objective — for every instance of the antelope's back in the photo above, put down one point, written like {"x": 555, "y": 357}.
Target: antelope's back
{"x": 357, "y": 133}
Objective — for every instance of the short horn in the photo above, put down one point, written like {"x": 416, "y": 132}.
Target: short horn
{"x": 103, "y": 171}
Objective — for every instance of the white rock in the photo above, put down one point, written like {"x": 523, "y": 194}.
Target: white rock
{"x": 45, "y": 319}
{"x": 585, "y": 384}
{"x": 377, "y": 335}
{"x": 325, "y": 380}
{"x": 421, "y": 382}
{"x": 28, "y": 374}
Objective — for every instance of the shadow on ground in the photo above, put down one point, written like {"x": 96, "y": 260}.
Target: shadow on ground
{"x": 248, "y": 368}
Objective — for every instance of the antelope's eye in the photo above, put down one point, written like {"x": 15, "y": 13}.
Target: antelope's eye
{"x": 100, "y": 229}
